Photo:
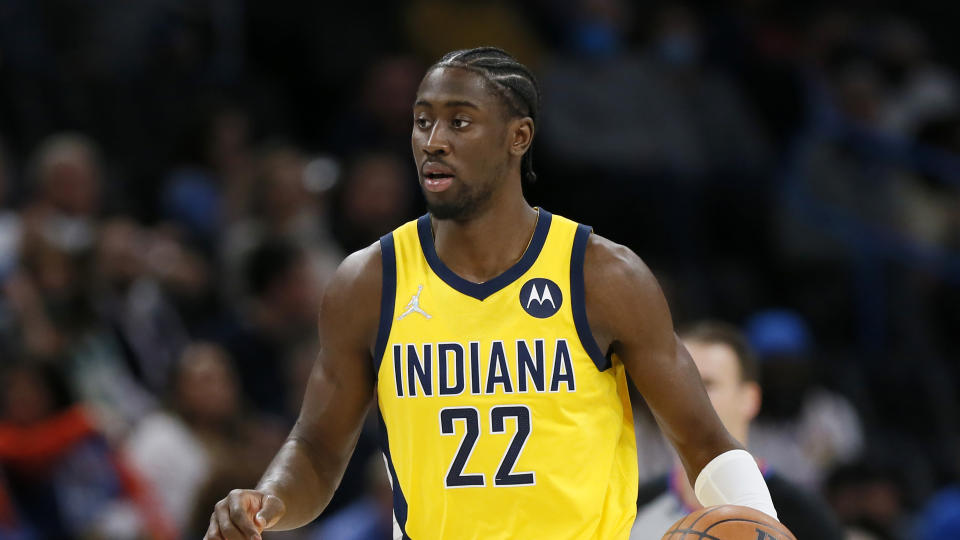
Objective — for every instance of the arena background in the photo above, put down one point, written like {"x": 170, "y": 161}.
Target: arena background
{"x": 178, "y": 179}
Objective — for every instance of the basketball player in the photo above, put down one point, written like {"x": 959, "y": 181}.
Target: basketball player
{"x": 729, "y": 373}
{"x": 501, "y": 383}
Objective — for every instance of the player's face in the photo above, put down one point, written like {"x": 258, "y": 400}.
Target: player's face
{"x": 735, "y": 400}
{"x": 460, "y": 142}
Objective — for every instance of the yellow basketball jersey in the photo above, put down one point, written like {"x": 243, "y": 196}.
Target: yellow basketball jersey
{"x": 501, "y": 416}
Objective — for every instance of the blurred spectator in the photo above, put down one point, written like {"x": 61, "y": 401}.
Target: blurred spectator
{"x": 281, "y": 313}
{"x": 929, "y": 203}
{"x": 729, "y": 373}
{"x": 186, "y": 275}
{"x": 663, "y": 111}
{"x": 62, "y": 477}
{"x": 58, "y": 234}
{"x": 114, "y": 328}
{"x": 286, "y": 207}
{"x": 134, "y": 305}
{"x": 381, "y": 118}
{"x": 212, "y": 186}
{"x": 921, "y": 90}
{"x": 230, "y": 156}
{"x": 930, "y": 212}
{"x": 66, "y": 172}
{"x": 26, "y": 329}
{"x": 375, "y": 197}
{"x": 205, "y": 438}
{"x": 803, "y": 429}
{"x": 869, "y": 500}
{"x": 850, "y": 206}
{"x": 664, "y": 129}
{"x": 50, "y": 306}
{"x": 605, "y": 125}
{"x": 106, "y": 316}
{"x": 192, "y": 200}
{"x": 840, "y": 193}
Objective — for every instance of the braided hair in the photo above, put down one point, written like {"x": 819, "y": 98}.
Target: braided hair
{"x": 513, "y": 81}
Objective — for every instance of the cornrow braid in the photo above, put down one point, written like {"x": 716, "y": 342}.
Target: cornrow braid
{"x": 513, "y": 81}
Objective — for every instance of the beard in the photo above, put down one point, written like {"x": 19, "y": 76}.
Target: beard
{"x": 465, "y": 205}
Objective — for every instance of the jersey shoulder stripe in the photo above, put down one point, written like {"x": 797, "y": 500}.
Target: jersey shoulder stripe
{"x": 388, "y": 296}
{"x": 579, "y": 300}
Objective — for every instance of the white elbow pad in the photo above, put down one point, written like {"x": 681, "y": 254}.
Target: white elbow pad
{"x": 734, "y": 478}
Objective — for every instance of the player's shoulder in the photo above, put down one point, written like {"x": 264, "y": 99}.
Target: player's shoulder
{"x": 622, "y": 297}
{"x": 360, "y": 269}
{"x": 355, "y": 286}
{"x": 615, "y": 267}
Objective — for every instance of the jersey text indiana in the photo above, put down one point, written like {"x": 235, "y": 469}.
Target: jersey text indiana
{"x": 443, "y": 369}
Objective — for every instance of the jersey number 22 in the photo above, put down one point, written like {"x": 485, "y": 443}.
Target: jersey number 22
{"x": 470, "y": 416}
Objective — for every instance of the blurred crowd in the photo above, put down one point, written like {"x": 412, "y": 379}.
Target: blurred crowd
{"x": 179, "y": 179}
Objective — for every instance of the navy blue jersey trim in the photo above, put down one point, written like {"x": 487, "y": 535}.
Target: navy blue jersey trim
{"x": 399, "y": 501}
{"x": 578, "y": 299}
{"x": 388, "y": 296}
{"x": 481, "y": 291}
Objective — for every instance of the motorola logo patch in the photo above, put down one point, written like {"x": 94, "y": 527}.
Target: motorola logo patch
{"x": 540, "y": 297}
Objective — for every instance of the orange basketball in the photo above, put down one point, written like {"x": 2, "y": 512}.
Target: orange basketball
{"x": 728, "y": 522}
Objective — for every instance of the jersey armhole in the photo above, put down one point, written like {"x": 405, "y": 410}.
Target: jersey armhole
{"x": 388, "y": 296}
{"x": 578, "y": 298}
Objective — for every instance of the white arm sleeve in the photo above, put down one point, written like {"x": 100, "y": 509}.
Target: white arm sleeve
{"x": 734, "y": 478}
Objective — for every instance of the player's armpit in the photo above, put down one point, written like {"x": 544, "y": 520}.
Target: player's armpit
{"x": 308, "y": 468}
{"x": 629, "y": 315}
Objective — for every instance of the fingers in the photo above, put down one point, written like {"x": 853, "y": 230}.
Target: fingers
{"x": 271, "y": 510}
{"x": 243, "y": 514}
{"x": 213, "y": 531}
{"x": 233, "y": 516}
{"x": 228, "y": 531}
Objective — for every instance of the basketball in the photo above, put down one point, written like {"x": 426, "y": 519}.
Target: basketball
{"x": 728, "y": 522}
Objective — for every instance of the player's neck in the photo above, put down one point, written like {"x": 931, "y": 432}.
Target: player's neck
{"x": 485, "y": 246}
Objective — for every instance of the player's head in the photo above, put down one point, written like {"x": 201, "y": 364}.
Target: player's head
{"x": 474, "y": 120}
{"x": 729, "y": 372}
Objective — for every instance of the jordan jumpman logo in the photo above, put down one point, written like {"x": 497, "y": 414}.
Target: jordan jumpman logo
{"x": 414, "y": 306}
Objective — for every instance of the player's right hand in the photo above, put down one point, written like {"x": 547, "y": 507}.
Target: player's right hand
{"x": 243, "y": 515}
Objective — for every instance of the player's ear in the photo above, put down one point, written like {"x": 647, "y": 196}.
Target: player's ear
{"x": 521, "y": 135}
{"x": 752, "y": 398}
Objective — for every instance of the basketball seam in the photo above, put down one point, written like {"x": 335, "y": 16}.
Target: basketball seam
{"x": 703, "y": 515}
{"x": 701, "y": 535}
{"x": 746, "y": 520}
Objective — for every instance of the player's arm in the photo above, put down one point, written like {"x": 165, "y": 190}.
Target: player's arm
{"x": 303, "y": 476}
{"x": 628, "y": 315}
